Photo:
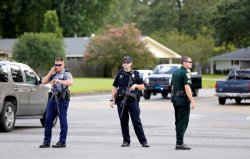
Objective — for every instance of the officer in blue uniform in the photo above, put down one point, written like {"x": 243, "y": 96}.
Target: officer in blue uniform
{"x": 181, "y": 98}
{"x": 58, "y": 103}
{"x": 131, "y": 80}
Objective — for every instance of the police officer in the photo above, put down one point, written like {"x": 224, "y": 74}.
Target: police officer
{"x": 131, "y": 108}
{"x": 181, "y": 98}
{"x": 58, "y": 103}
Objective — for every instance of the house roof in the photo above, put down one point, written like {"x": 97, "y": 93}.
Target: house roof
{"x": 159, "y": 50}
{"x": 76, "y": 47}
{"x": 6, "y": 46}
{"x": 241, "y": 54}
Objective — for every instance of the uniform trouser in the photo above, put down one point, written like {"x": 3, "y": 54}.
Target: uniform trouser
{"x": 182, "y": 113}
{"x": 133, "y": 109}
{"x": 51, "y": 113}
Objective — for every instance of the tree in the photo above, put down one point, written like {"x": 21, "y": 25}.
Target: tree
{"x": 38, "y": 50}
{"x": 197, "y": 48}
{"x": 51, "y": 23}
{"x": 116, "y": 43}
{"x": 189, "y": 16}
{"x": 82, "y": 17}
{"x": 232, "y": 23}
{"x": 121, "y": 13}
{"x": 17, "y": 17}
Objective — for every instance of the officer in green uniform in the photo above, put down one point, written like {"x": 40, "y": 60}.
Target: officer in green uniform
{"x": 182, "y": 98}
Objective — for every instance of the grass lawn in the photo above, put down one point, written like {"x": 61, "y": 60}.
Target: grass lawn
{"x": 208, "y": 81}
{"x": 92, "y": 85}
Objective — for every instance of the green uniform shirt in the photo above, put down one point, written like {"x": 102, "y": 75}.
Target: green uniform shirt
{"x": 180, "y": 78}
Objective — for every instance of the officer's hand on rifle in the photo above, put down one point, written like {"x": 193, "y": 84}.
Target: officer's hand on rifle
{"x": 133, "y": 87}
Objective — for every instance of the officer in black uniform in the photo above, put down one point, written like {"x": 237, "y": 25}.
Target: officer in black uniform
{"x": 181, "y": 98}
{"x": 58, "y": 103}
{"x": 131, "y": 80}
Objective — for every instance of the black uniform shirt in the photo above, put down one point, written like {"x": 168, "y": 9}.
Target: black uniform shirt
{"x": 122, "y": 79}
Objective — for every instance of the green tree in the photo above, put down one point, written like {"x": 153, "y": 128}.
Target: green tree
{"x": 121, "y": 13}
{"x": 197, "y": 48}
{"x": 51, "y": 23}
{"x": 38, "y": 50}
{"x": 116, "y": 43}
{"x": 232, "y": 23}
{"x": 189, "y": 16}
{"x": 82, "y": 17}
{"x": 17, "y": 17}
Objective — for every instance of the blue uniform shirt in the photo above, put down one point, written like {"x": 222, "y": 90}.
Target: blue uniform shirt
{"x": 63, "y": 75}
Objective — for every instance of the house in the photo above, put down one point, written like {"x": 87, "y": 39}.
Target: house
{"x": 6, "y": 48}
{"x": 239, "y": 59}
{"x": 75, "y": 48}
{"x": 159, "y": 50}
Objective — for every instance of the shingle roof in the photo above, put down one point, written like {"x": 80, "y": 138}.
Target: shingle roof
{"x": 241, "y": 54}
{"x": 76, "y": 47}
{"x": 7, "y": 44}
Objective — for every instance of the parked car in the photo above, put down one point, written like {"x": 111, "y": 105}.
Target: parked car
{"x": 145, "y": 73}
{"x": 237, "y": 86}
{"x": 160, "y": 81}
{"x": 21, "y": 96}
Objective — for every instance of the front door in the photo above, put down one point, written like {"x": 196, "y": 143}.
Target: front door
{"x": 21, "y": 90}
{"x": 36, "y": 92}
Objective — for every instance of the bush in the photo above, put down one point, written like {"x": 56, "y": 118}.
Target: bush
{"x": 38, "y": 50}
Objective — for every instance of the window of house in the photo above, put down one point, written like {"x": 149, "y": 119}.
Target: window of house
{"x": 235, "y": 62}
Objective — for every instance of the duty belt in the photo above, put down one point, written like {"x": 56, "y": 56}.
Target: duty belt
{"x": 180, "y": 94}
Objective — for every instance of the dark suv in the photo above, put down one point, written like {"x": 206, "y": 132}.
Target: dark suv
{"x": 21, "y": 96}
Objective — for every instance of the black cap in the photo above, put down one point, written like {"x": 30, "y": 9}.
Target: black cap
{"x": 127, "y": 59}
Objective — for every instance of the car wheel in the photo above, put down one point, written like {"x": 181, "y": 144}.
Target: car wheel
{"x": 222, "y": 101}
{"x": 195, "y": 92}
{"x": 238, "y": 100}
{"x": 43, "y": 120}
{"x": 146, "y": 94}
{"x": 7, "y": 117}
{"x": 164, "y": 94}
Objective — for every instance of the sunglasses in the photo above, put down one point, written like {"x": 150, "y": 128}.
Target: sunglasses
{"x": 59, "y": 65}
{"x": 126, "y": 62}
{"x": 189, "y": 61}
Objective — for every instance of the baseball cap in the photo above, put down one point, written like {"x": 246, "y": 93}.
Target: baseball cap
{"x": 127, "y": 59}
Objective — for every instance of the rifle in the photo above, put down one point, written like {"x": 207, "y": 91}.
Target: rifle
{"x": 57, "y": 99}
{"x": 128, "y": 95}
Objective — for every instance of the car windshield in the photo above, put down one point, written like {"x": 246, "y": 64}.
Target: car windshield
{"x": 165, "y": 69}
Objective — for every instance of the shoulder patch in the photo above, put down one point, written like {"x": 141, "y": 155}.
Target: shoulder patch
{"x": 188, "y": 75}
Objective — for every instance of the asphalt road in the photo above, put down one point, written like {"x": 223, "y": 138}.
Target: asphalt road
{"x": 214, "y": 131}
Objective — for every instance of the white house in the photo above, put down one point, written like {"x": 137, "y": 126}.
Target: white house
{"x": 239, "y": 59}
